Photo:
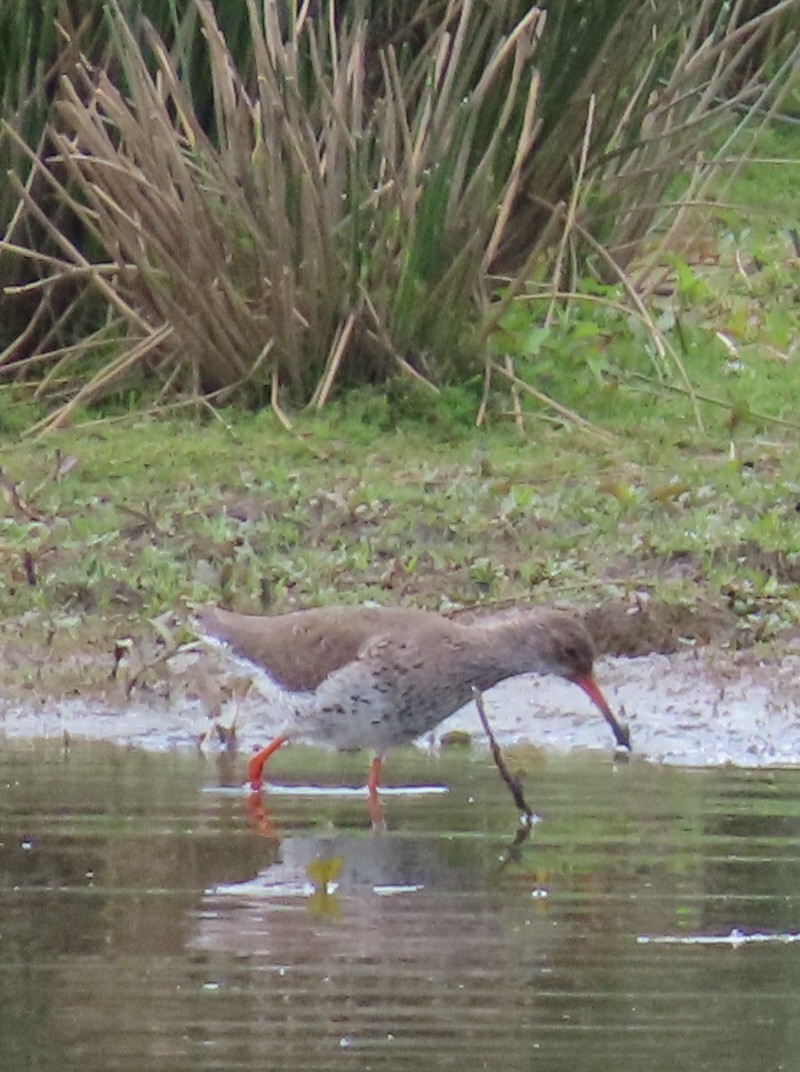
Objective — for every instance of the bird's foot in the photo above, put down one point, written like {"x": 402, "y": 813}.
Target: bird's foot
{"x": 254, "y": 769}
{"x": 254, "y": 780}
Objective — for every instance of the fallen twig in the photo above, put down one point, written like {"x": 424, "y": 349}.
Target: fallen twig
{"x": 513, "y": 783}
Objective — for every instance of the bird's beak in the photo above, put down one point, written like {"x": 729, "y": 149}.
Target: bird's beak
{"x": 592, "y": 689}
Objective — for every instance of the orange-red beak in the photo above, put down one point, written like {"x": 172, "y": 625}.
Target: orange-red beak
{"x": 591, "y": 688}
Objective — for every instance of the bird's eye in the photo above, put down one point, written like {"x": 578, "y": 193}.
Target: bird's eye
{"x": 571, "y": 652}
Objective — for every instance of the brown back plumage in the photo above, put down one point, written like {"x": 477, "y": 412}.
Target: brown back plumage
{"x": 299, "y": 650}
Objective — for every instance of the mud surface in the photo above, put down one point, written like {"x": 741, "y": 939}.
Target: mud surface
{"x": 697, "y": 704}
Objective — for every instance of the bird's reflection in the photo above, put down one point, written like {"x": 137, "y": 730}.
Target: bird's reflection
{"x": 356, "y": 880}
{"x": 260, "y": 820}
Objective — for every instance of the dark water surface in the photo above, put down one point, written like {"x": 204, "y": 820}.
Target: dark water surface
{"x": 648, "y": 923}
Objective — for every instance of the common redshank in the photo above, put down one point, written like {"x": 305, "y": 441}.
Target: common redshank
{"x": 377, "y": 677}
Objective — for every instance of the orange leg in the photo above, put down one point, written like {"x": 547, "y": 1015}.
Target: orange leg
{"x": 373, "y": 795}
{"x": 257, "y": 761}
{"x": 373, "y": 781}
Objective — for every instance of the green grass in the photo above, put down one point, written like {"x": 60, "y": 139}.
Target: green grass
{"x": 395, "y": 496}
{"x": 158, "y": 514}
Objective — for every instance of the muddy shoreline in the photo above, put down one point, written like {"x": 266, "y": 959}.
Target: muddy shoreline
{"x": 676, "y": 675}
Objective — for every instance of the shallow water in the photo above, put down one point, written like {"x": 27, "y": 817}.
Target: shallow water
{"x": 145, "y": 923}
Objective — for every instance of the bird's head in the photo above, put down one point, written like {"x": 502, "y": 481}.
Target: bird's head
{"x": 565, "y": 646}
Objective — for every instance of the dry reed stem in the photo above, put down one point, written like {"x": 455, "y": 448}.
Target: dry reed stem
{"x": 572, "y": 207}
{"x": 112, "y": 372}
{"x": 563, "y": 411}
{"x": 325, "y": 194}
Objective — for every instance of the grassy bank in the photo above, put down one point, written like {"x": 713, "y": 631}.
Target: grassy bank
{"x": 652, "y": 494}
{"x": 111, "y": 530}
